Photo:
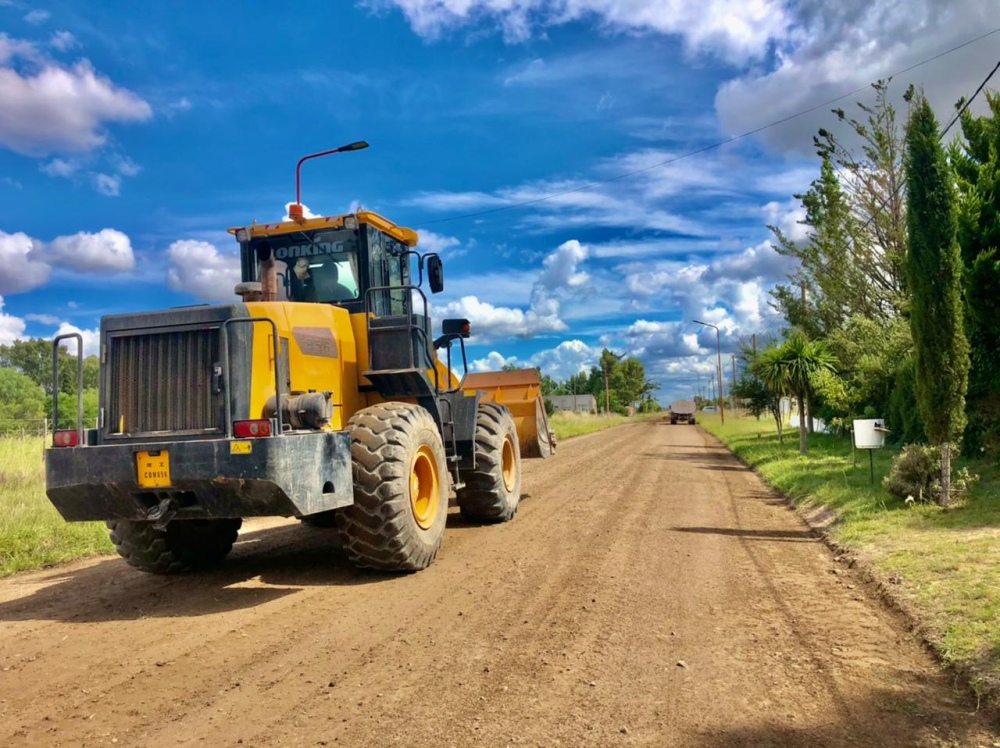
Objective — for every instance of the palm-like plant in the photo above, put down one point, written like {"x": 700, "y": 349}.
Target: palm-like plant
{"x": 788, "y": 369}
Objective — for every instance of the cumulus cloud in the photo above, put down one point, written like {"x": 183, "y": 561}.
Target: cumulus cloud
{"x": 11, "y": 327}
{"x": 22, "y": 268}
{"x": 107, "y": 251}
{"x": 50, "y": 108}
{"x": 200, "y": 269}
{"x": 91, "y": 339}
{"x": 834, "y": 48}
{"x": 735, "y": 30}
{"x": 490, "y": 322}
{"x": 567, "y": 359}
{"x": 558, "y": 279}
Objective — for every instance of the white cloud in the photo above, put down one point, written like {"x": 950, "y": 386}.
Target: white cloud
{"x": 51, "y": 108}
{"x": 492, "y": 362}
{"x": 490, "y": 322}
{"x": 558, "y": 279}
{"x": 22, "y": 268}
{"x": 561, "y": 266}
{"x": 834, "y": 48}
{"x": 567, "y": 359}
{"x": 79, "y": 169}
{"x": 45, "y": 319}
{"x": 735, "y": 30}
{"x": 37, "y": 17}
{"x": 11, "y": 327}
{"x": 63, "y": 41}
{"x": 107, "y": 251}
{"x": 198, "y": 268}
{"x": 60, "y": 167}
{"x": 91, "y": 339}
{"x": 107, "y": 184}
{"x": 444, "y": 245}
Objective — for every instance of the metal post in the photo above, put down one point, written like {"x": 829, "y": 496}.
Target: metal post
{"x": 718, "y": 345}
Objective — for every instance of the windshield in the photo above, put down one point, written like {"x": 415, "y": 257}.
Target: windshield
{"x": 319, "y": 266}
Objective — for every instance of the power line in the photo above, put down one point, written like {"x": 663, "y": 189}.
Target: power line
{"x": 704, "y": 149}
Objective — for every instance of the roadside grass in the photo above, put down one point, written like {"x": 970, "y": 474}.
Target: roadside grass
{"x": 32, "y": 533}
{"x": 566, "y": 424}
{"x": 944, "y": 564}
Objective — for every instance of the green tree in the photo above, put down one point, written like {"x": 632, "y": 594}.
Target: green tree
{"x": 34, "y": 359}
{"x": 975, "y": 158}
{"x": 852, "y": 261}
{"x": 22, "y": 401}
{"x": 791, "y": 367}
{"x": 935, "y": 276}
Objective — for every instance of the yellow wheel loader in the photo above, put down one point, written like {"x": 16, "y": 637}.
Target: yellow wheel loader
{"x": 321, "y": 393}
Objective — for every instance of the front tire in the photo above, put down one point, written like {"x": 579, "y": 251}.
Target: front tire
{"x": 185, "y": 545}
{"x": 493, "y": 490}
{"x": 400, "y": 505}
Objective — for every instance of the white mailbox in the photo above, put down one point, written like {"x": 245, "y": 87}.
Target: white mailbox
{"x": 870, "y": 433}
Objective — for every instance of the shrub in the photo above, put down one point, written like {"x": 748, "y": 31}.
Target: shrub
{"x": 915, "y": 476}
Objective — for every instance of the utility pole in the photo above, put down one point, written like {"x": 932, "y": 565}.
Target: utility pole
{"x": 733, "y": 387}
{"x": 718, "y": 346}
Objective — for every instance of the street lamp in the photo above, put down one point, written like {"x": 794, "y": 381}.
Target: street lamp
{"x": 718, "y": 345}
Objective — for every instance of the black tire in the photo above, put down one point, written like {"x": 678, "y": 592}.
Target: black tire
{"x": 493, "y": 490}
{"x": 400, "y": 474}
{"x": 185, "y": 545}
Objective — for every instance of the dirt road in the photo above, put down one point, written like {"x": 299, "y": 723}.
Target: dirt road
{"x": 650, "y": 592}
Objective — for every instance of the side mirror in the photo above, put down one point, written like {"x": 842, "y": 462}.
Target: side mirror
{"x": 435, "y": 273}
{"x": 456, "y": 328}
{"x": 452, "y": 329}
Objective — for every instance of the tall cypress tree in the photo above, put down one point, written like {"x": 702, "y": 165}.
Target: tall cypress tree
{"x": 934, "y": 272}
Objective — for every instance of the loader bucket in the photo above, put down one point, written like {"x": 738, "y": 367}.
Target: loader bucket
{"x": 521, "y": 391}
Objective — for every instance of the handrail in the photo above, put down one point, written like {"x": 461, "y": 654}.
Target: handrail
{"x": 79, "y": 382}
{"x": 225, "y": 369}
{"x": 408, "y": 313}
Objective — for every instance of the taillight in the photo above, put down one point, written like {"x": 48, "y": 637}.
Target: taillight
{"x": 66, "y": 438}
{"x": 252, "y": 429}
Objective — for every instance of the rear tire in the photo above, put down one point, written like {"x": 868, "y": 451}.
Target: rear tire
{"x": 400, "y": 505}
{"x": 185, "y": 545}
{"x": 493, "y": 490}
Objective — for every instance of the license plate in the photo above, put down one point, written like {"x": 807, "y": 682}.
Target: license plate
{"x": 153, "y": 468}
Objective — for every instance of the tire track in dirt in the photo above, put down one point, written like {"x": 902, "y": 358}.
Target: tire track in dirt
{"x": 636, "y": 549}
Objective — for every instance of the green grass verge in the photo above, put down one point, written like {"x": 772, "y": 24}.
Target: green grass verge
{"x": 944, "y": 564}
{"x": 32, "y": 534}
{"x": 566, "y": 425}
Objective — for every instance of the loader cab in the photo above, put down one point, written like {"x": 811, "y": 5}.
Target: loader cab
{"x": 334, "y": 262}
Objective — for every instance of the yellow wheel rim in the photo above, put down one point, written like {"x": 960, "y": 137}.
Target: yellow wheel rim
{"x": 508, "y": 464}
{"x": 425, "y": 487}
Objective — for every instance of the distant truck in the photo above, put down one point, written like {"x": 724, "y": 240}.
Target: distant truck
{"x": 683, "y": 411}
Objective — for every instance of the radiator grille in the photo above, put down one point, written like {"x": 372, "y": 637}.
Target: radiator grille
{"x": 163, "y": 382}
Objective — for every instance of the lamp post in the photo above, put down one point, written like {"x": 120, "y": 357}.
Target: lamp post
{"x": 718, "y": 345}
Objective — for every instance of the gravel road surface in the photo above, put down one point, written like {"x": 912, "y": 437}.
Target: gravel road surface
{"x": 650, "y": 592}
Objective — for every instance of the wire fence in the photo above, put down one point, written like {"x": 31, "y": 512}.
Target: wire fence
{"x": 30, "y": 429}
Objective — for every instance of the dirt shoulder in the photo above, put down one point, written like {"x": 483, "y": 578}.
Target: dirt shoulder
{"x": 651, "y": 591}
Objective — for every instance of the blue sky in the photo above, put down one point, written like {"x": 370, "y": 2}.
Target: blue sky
{"x": 131, "y": 139}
